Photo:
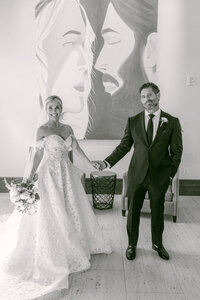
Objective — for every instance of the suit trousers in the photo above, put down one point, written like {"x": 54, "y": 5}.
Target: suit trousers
{"x": 135, "y": 202}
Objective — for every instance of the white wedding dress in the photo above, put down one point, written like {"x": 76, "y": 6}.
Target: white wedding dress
{"x": 39, "y": 251}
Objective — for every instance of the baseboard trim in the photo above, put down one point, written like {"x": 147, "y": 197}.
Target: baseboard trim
{"x": 187, "y": 187}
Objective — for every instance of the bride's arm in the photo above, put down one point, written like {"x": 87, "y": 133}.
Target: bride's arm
{"x": 77, "y": 150}
{"x": 36, "y": 160}
{"x": 36, "y": 156}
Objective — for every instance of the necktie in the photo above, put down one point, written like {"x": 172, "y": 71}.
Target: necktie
{"x": 150, "y": 129}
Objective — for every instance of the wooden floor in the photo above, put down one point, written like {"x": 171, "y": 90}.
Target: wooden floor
{"x": 148, "y": 277}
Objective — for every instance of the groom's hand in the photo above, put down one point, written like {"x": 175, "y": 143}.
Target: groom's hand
{"x": 99, "y": 165}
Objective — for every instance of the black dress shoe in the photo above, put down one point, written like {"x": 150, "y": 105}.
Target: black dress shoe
{"x": 162, "y": 252}
{"x": 131, "y": 252}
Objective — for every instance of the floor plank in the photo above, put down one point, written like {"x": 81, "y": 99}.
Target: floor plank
{"x": 155, "y": 296}
{"x": 98, "y": 285}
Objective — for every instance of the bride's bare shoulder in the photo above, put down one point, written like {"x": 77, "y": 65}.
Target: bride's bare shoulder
{"x": 41, "y": 132}
{"x": 68, "y": 129}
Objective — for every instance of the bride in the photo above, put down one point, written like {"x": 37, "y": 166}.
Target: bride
{"x": 39, "y": 251}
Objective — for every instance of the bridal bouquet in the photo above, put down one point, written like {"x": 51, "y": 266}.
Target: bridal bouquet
{"x": 23, "y": 195}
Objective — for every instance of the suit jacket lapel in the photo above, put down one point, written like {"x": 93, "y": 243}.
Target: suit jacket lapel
{"x": 142, "y": 121}
{"x": 160, "y": 128}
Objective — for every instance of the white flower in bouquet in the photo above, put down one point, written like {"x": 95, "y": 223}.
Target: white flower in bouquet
{"x": 31, "y": 199}
{"x": 14, "y": 192}
{"x": 35, "y": 189}
{"x": 14, "y": 195}
{"x": 24, "y": 195}
{"x": 14, "y": 199}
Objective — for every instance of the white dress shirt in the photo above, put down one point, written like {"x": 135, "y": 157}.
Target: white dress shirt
{"x": 155, "y": 120}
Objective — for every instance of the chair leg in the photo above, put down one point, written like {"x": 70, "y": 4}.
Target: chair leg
{"x": 123, "y": 212}
{"x": 174, "y": 219}
{"x": 83, "y": 180}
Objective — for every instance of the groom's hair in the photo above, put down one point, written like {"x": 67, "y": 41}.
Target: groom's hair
{"x": 146, "y": 85}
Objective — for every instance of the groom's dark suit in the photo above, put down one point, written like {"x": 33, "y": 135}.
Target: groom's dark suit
{"x": 150, "y": 169}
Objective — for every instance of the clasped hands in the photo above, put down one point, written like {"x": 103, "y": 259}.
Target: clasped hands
{"x": 99, "y": 165}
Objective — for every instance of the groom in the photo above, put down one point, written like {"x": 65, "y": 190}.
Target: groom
{"x": 157, "y": 140}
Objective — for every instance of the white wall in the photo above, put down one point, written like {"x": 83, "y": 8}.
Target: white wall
{"x": 17, "y": 84}
{"x": 191, "y": 108}
{"x": 178, "y": 59}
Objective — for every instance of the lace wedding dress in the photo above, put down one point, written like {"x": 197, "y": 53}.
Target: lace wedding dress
{"x": 39, "y": 251}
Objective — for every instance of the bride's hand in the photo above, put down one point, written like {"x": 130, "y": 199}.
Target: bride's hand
{"x": 96, "y": 165}
{"x": 35, "y": 177}
{"x": 26, "y": 180}
{"x": 30, "y": 179}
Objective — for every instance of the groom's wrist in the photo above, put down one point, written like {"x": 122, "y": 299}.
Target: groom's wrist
{"x": 106, "y": 163}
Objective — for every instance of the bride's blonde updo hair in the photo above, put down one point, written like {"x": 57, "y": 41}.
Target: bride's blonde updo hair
{"x": 55, "y": 98}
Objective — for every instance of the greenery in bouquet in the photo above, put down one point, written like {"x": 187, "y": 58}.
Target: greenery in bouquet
{"x": 23, "y": 195}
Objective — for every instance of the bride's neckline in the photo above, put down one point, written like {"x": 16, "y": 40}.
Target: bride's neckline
{"x": 45, "y": 137}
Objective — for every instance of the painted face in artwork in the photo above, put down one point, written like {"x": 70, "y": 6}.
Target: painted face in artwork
{"x": 119, "y": 42}
{"x": 150, "y": 57}
{"x": 69, "y": 59}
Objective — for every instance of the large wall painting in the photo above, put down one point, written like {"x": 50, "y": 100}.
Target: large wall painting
{"x": 95, "y": 54}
